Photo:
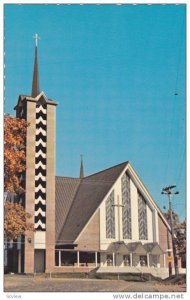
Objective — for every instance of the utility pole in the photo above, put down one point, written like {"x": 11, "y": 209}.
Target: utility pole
{"x": 169, "y": 254}
{"x": 168, "y": 191}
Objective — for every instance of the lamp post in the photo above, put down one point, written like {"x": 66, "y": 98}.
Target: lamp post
{"x": 168, "y": 191}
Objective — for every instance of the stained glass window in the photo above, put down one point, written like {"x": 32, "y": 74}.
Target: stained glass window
{"x": 142, "y": 217}
{"x": 110, "y": 217}
{"x": 126, "y": 201}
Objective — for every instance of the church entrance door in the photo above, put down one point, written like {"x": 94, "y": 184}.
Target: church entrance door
{"x": 39, "y": 262}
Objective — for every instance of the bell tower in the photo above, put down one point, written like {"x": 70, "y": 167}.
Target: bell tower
{"x": 39, "y": 200}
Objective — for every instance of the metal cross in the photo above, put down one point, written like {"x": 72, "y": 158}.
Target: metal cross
{"x": 36, "y": 37}
{"x": 118, "y": 206}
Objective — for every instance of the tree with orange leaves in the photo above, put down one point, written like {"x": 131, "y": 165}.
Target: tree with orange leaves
{"x": 16, "y": 219}
{"x": 14, "y": 153}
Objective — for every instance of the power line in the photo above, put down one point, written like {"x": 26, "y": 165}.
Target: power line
{"x": 181, "y": 167}
{"x": 174, "y": 97}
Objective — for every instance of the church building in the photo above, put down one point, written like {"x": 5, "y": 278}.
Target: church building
{"x": 107, "y": 221}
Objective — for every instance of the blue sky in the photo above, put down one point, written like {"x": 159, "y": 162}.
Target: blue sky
{"x": 114, "y": 71}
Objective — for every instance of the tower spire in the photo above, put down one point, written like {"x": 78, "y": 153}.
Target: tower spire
{"x": 81, "y": 167}
{"x": 35, "y": 82}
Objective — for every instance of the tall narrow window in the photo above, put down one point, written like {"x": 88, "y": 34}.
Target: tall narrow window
{"x": 142, "y": 216}
{"x": 126, "y": 201}
{"x": 110, "y": 217}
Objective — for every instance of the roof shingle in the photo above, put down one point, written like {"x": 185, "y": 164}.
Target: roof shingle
{"x": 81, "y": 202}
{"x": 65, "y": 190}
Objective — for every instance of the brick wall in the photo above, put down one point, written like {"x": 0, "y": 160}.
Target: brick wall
{"x": 164, "y": 234}
{"x": 90, "y": 237}
{"x": 50, "y": 189}
{"x": 30, "y": 184}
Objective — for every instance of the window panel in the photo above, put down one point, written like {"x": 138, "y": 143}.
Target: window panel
{"x": 109, "y": 259}
{"x": 126, "y": 260}
{"x": 126, "y": 201}
{"x": 110, "y": 217}
{"x": 56, "y": 257}
{"x": 142, "y": 218}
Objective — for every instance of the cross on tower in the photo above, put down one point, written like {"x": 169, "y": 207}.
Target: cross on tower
{"x": 36, "y": 37}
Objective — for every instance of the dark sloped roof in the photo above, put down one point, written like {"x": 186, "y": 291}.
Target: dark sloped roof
{"x": 118, "y": 247}
{"x": 89, "y": 195}
{"x": 23, "y": 98}
{"x": 65, "y": 190}
{"x": 153, "y": 248}
{"x": 136, "y": 247}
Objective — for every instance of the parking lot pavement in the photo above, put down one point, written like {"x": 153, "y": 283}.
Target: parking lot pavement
{"x": 17, "y": 283}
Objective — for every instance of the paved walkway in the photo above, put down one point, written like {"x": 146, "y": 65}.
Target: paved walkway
{"x": 30, "y": 284}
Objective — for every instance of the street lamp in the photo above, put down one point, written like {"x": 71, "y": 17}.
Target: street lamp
{"x": 168, "y": 191}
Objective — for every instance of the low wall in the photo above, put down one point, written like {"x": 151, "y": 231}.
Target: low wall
{"x": 156, "y": 272}
{"x": 72, "y": 269}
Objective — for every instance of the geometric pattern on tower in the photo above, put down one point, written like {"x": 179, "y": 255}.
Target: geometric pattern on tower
{"x": 40, "y": 168}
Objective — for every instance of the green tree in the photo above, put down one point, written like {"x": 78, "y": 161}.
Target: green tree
{"x": 180, "y": 232}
